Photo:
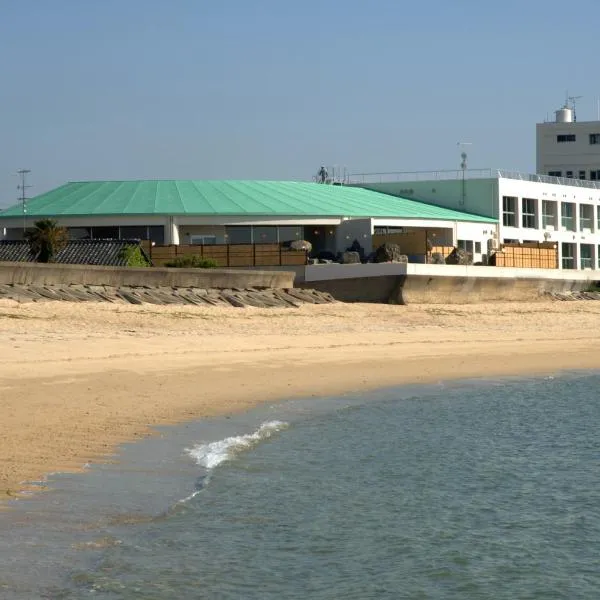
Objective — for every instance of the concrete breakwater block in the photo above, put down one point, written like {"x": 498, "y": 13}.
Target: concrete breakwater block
{"x": 234, "y": 297}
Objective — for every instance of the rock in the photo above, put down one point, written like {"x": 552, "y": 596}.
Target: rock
{"x": 389, "y": 253}
{"x": 350, "y": 258}
{"x": 301, "y": 245}
{"x": 458, "y": 256}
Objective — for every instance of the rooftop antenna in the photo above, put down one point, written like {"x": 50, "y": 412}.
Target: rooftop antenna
{"x": 573, "y": 100}
{"x": 23, "y": 187}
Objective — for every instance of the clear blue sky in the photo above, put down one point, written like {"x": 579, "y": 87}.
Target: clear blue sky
{"x": 127, "y": 89}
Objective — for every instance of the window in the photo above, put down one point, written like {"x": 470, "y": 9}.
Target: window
{"x": 595, "y": 175}
{"x": 568, "y": 215}
{"x": 570, "y": 174}
{"x": 585, "y": 256}
{"x": 157, "y": 234}
{"x": 238, "y": 234}
{"x": 569, "y": 137}
{"x": 581, "y": 174}
{"x": 291, "y": 233}
{"x": 477, "y": 247}
{"x": 265, "y": 235}
{"x": 568, "y": 253}
{"x": 466, "y": 245}
{"x": 586, "y": 217}
{"x": 132, "y": 232}
{"x": 509, "y": 209}
{"x": 555, "y": 173}
{"x": 594, "y": 138}
{"x": 528, "y": 206}
{"x": 105, "y": 233}
{"x": 548, "y": 214}
{"x": 203, "y": 240}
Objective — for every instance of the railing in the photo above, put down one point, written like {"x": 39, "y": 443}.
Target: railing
{"x": 584, "y": 183}
{"x": 458, "y": 174}
{"x": 441, "y": 175}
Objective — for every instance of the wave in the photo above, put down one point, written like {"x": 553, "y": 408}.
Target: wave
{"x": 212, "y": 455}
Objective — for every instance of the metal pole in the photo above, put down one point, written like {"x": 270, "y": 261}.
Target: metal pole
{"x": 23, "y": 187}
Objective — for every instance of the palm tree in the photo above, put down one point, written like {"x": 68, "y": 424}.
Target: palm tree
{"x": 47, "y": 240}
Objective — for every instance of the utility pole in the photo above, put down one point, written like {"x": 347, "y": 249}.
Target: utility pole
{"x": 463, "y": 166}
{"x": 23, "y": 187}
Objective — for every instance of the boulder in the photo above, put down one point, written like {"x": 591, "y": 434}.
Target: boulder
{"x": 458, "y": 256}
{"x": 301, "y": 245}
{"x": 350, "y": 258}
{"x": 389, "y": 253}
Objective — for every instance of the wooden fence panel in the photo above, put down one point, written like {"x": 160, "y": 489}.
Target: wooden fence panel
{"x": 231, "y": 255}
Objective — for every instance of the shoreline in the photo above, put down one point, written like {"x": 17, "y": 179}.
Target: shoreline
{"x": 81, "y": 379}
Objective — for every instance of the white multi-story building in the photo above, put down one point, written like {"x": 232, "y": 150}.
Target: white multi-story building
{"x": 568, "y": 148}
{"x": 529, "y": 208}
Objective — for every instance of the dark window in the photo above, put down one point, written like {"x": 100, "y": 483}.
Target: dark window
{"x": 265, "y": 235}
{"x": 585, "y": 256}
{"x": 595, "y": 175}
{"x": 568, "y": 256}
{"x": 586, "y": 217}
{"x": 569, "y": 174}
{"x": 568, "y": 216}
{"x": 528, "y": 206}
{"x": 134, "y": 232}
{"x": 581, "y": 174}
{"x": 105, "y": 233}
{"x": 569, "y": 137}
{"x": 509, "y": 211}
{"x": 555, "y": 173}
{"x": 594, "y": 138}
{"x": 290, "y": 233}
{"x": 239, "y": 234}
{"x": 477, "y": 247}
{"x": 157, "y": 234}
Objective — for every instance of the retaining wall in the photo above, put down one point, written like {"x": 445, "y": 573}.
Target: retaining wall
{"x": 440, "y": 284}
{"x": 54, "y": 274}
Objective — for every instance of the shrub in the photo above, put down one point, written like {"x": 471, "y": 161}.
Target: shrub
{"x": 192, "y": 262}
{"x": 134, "y": 257}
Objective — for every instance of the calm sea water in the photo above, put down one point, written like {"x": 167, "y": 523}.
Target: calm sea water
{"x": 472, "y": 490}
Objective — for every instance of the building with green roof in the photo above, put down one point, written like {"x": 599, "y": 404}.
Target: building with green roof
{"x": 331, "y": 217}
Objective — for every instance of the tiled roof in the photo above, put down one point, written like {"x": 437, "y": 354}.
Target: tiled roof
{"x": 217, "y": 198}
{"x": 76, "y": 252}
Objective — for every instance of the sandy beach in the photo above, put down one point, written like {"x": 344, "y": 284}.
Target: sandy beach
{"x": 78, "y": 379}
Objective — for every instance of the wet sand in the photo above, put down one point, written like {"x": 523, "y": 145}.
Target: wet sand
{"x": 78, "y": 379}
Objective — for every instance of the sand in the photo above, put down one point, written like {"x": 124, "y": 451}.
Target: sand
{"x": 78, "y": 379}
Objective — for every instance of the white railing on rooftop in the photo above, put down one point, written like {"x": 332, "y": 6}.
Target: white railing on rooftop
{"x": 457, "y": 174}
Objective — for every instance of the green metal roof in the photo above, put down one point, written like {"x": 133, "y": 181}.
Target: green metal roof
{"x": 239, "y": 198}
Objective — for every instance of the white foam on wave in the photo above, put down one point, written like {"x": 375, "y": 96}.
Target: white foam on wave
{"x": 213, "y": 454}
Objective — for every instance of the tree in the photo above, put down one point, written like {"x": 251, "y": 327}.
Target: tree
{"x": 46, "y": 240}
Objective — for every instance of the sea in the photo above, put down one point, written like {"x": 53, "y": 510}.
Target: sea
{"x": 454, "y": 490}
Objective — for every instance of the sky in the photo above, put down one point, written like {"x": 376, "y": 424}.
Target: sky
{"x": 272, "y": 89}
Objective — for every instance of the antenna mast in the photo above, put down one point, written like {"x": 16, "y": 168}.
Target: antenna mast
{"x": 573, "y": 100}
{"x": 23, "y": 197}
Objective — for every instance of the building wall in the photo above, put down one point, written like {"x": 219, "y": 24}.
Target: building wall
{"x": 570, "y": 158}
{"x": 560, "y": 229}
{"x": 478, "y": 196}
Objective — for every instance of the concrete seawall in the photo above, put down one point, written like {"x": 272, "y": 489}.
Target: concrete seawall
{"x": 440, "y": 284}
{"x": 54, "y": 274}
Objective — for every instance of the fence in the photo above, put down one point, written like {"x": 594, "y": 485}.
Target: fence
{"x": 532, "y": 256}
{"x": 231, "y": 255}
